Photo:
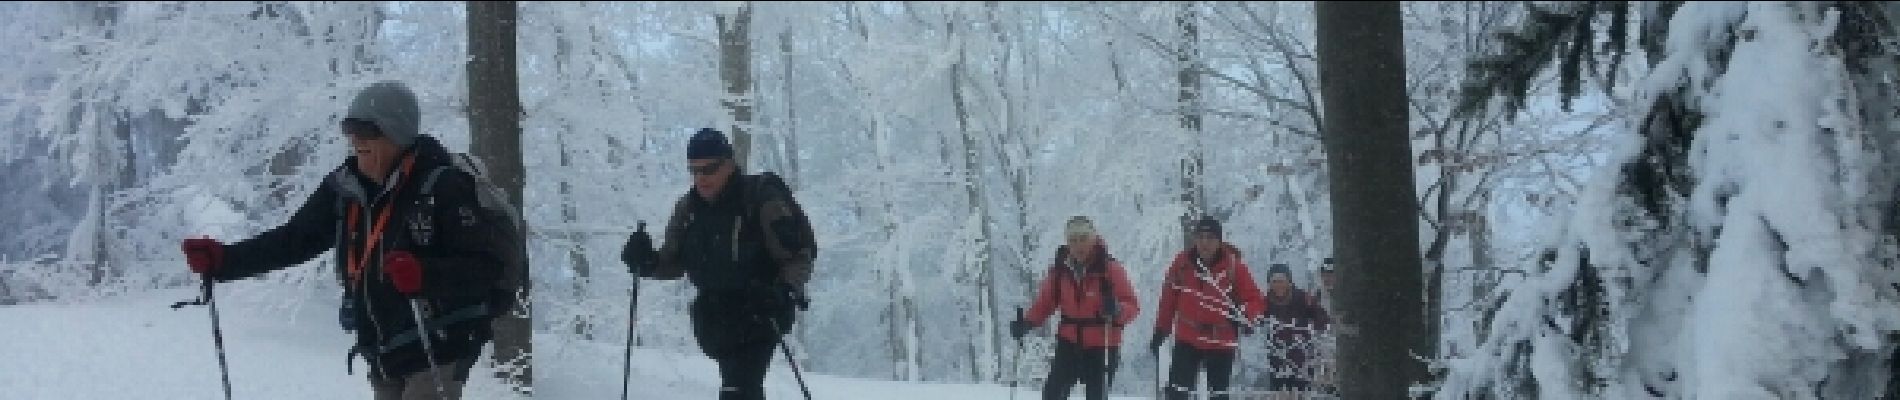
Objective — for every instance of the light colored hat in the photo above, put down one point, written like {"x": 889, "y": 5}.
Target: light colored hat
{"x": 1079, "y": 226}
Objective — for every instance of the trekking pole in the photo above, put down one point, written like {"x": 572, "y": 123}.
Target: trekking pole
{"x": 1160, "y": 388}
{"x": 787, "y": 349}
{"x": 428, "y": 347}
{"x": 217, "y": 339}
{"x": 633, "y": 300}
{"x": 1108, "y": 373}
{"x": 1016, "y": 363}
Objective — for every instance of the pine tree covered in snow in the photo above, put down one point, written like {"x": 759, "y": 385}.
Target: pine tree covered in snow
{"x": 1740, "y": 245}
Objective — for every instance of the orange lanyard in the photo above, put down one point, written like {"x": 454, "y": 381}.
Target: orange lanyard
{"x": 358, "y": 262}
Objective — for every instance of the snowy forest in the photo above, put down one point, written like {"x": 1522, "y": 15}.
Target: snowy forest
{"x": 1618, "y": 200}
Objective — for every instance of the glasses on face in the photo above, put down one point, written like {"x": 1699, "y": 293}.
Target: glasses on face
{"x": 707, "y": 169}
{"x": 1206, "y": 237}
{"x": 360, "y": 129}
{"x": 1079, "y": 240}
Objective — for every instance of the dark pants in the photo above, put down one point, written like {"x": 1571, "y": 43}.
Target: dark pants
{"x": 1094, "y": 368}
{"x": 742, "y": 371}
{"x": 741, "y": 337}
{"x": 1188, "y": 361}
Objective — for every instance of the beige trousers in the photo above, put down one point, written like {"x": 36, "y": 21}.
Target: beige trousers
{"x": 420, "y": 385}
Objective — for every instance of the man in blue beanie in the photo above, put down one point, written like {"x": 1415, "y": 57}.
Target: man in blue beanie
{"x": 745, "y": 244}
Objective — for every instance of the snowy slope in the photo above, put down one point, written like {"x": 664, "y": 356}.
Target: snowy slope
{"x": 574, "y": 369}
{"x": 137, "y": 346}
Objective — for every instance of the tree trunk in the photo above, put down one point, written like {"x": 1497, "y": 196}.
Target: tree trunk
{"x": 1375, "y": 210}
{"x": 790, "y": 149}
{"x": 1189, "y": 81}
{"x": 113, "y": 157}
{"x": 735, "y": 70}
{"x": 573, "y": 241}
{"x": 284, "y": 164}
{"x": 986, "y": 294}
{"x": 494, "y": 116}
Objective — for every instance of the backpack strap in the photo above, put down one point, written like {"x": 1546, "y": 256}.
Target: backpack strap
{"x": 485, "y": 193}
{"x": 342, "y": 229}
{"x": 1061, "y": 274}
{"x": 755, "y": 187}
{"x": 433, "y": 325}
{"x": 1109, "y": 301}
{"x": 428, "y": 181}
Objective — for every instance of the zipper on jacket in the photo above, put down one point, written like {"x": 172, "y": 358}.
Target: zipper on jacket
{"x": 363, "y": 286}
{"x": 738, "y": 223}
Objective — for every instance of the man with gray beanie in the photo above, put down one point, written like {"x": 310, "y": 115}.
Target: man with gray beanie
{"x": 412, "y": 242}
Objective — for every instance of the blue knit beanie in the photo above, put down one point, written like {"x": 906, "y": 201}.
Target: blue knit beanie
{"x": 708, "y": 143}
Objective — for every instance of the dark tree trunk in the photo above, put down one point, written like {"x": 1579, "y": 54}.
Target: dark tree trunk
{"x": 494, "y": 117}
{"x": 735, "y": 70}
{"x": 1375, "y": 215}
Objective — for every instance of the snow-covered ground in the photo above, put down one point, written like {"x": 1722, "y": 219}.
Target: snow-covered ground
{"x": 592, "y": 371}
{"x": 137, "y": 347}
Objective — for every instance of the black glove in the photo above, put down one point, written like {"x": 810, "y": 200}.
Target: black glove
{"x": 1243, "y": 328}
{"x": 798, "y": 298}
{"x": 1018, "y": 328}
{"x": 1154, "y": 345}
{"x": 638, "y": 252}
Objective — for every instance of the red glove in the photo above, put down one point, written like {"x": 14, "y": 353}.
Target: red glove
{"x": 404, "y": 272}
{"x": 203, "y": 254}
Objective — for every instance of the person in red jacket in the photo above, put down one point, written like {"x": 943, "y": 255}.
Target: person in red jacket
{"x": 1092, "y": 292}
{"x": 1208, "y": 299}
{"x": 1293, "y": 318}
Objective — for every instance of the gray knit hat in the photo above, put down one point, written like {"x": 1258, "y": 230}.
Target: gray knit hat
{"x": 391, "y": 107}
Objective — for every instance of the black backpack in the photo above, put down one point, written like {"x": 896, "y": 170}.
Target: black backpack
{"x": 798, "y": 232}
{"x": 510, "y": 235}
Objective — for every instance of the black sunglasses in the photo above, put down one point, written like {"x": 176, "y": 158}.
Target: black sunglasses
{"x": 361, "y": 129}
{"x": 708, "y": 169}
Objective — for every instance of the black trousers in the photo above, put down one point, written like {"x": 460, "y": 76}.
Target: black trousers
{"x": 1188, "y": 361}
{"x": 1074, "y": 364}
{"x": 742, "y": 370}
{"x": 740, "y": 339}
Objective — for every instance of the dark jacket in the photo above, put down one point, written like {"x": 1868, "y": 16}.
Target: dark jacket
{"x": 739, "y": 252}
{"x": 1294, "y": 321}
{"x": 445, "y": 231}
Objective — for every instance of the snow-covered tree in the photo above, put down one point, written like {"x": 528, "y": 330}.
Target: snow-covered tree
{"x": 1739, "y": 245}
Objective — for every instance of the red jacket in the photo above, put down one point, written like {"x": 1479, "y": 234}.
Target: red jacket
{"x": 1080, "y": 298}
{"x": 1201, "y": 306}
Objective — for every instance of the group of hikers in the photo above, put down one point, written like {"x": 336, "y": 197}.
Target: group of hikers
{"x": 429, "y": 254}
{"x": 1208, "y": 304}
